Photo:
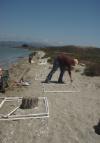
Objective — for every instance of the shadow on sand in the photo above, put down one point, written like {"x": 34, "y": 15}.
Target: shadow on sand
{"x": 53, "y": 82}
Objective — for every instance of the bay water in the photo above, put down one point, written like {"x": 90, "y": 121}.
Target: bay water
{"x": 9, "y": 55}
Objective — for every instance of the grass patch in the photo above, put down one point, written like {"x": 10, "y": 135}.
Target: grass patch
{"x": 92, "y": 70}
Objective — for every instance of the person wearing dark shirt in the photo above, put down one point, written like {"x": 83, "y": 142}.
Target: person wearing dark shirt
{"x": 64, "y": 62}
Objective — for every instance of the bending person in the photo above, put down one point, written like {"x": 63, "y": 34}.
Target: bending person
{"x": 64, "y": 62}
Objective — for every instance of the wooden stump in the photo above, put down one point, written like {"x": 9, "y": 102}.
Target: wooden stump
{"x": 29, "y": 103}
{"x": 97, "y": 128}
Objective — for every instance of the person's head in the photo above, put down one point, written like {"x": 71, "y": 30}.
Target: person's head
{"x": 76, "y": 61}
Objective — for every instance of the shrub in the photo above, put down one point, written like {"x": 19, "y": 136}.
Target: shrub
{"x": 92, "y": 70}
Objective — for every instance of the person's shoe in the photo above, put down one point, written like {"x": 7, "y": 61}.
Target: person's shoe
{"x": 61, "y": 82}
{"x": 46, "y": 81}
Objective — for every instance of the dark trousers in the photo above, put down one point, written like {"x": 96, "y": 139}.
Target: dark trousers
{"x": 2, "y": 86}
{"x": 56, "y": 65}
{"x": 29, "y": 60}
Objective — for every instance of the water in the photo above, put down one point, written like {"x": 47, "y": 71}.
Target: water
{"x": 9, "y": 55}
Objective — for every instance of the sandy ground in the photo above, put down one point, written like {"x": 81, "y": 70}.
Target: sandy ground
{"x": 72, "y": 115}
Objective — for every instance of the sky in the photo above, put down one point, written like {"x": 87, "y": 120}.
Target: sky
{"x": 62, "y": 22}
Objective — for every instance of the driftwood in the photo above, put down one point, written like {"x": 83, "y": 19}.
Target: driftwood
{"x": 29, "y": 102}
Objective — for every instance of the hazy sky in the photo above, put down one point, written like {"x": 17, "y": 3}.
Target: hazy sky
{"x": 53, "y": 21}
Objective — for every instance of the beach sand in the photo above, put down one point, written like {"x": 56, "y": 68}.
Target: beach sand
{"x": 72, "y": 115}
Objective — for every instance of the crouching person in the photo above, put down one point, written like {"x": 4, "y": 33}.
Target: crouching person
{"x": 4, "y": 76}
{"x": 2, "y": 89}
{"x": 64, "y": 62}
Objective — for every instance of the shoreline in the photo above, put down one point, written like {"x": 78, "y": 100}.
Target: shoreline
{"x": 6, "y": 65}
{"x": 15, "y": 69}
{"x": 18, "y": 68}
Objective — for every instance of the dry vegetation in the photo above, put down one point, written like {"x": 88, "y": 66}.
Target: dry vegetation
{"x": 90, "y": 56}
{"x": 87, "y": 55}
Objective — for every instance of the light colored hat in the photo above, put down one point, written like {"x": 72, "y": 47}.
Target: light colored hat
{"x": 76, "y": 61}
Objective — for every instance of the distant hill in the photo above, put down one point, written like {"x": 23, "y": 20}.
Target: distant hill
{"x": 21, "y": 44}
{"x": 39, "y": 44}
{"x": 10, "y": 43}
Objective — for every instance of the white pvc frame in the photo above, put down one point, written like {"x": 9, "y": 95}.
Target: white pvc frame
{"x": 9, "y": 116}
{"x": 58, "y": 91}
{"x": 1, "y": 104}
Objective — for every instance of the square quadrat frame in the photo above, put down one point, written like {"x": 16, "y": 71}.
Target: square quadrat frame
{"x": 9, "y": 116}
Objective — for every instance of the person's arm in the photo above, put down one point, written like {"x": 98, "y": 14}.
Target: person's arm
{"x": 70, "y": 75}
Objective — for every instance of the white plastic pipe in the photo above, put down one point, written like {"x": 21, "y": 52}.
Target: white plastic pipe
{"x": 20, "y": 118}
{"x": 28, "y": 115}
{"x": 59, "y": 91}
{"x": 2, "y": 102}
{"x": 12, "y": 111}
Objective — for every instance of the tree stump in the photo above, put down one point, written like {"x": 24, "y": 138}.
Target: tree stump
{"x": 29, "y": 102}
{"x": 97, "y": 128}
